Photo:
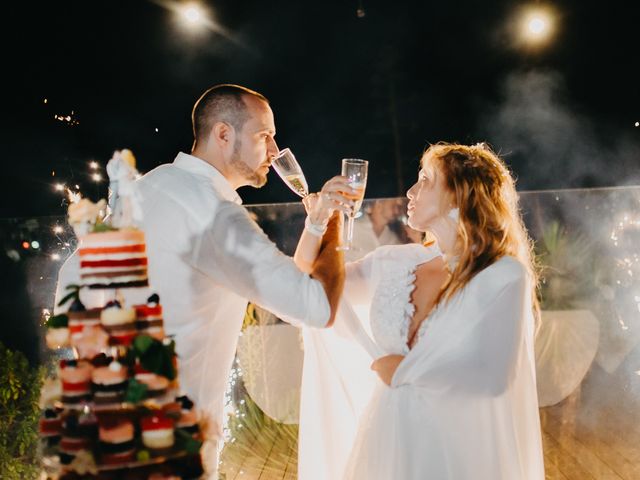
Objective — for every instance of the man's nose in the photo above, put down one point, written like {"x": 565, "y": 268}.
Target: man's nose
{"x": 272, "y": 149}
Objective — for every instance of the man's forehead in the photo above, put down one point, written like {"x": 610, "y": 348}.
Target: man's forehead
{"x": 261, "y": 115}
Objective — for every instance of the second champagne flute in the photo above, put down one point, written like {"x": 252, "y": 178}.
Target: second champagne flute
{"x": 355, "y": 169}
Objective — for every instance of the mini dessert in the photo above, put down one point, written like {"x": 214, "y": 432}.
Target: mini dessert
{"x": 116, "y": 437}
{"x": 109, "y": 383}
{"x": 157, "y": 433}
{"x": 91, "y": 342}
{"x": 76, "y": 382}
{"x": 50, "y": 425}
{"x": 82, "y": 318}
{"x": 113, "y": 259}
{"x": 149, "y": 318}
{"x": 57, "y": 331}
{"x": 119, "y": 323}
{"x": 78, "y": 432}
{"x": 188, "y": 420}
{"x": 157, "y": 385}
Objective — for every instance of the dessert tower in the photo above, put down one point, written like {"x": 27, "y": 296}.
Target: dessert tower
{"x": 118, "y": 412}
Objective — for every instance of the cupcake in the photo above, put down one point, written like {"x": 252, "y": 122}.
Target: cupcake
{"x": 157, "y": 433}
{"x": 76, "y": 382}
{"x": 109, "y": 383}
{"x": 188, "y": 420}
{"x": 116, "y": 436}
{"x": 149, "y": 318}
{"x": 119, "y": 322}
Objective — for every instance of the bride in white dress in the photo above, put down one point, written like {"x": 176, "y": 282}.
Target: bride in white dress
{"x": 451, "y": 392}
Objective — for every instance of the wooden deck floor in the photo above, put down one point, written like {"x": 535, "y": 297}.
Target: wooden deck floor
{"x": 592, "y": 435}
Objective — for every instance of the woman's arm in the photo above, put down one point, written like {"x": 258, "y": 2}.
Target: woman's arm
{"x": 320, "y": 207}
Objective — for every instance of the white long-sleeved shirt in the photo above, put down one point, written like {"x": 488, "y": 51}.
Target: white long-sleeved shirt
{"x": 207, "y": 258}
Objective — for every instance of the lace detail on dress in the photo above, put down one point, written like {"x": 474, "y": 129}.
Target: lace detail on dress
{"x": 392, "y": 310}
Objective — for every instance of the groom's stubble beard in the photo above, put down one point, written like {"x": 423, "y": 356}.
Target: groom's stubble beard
{"x": 254, "y": 178}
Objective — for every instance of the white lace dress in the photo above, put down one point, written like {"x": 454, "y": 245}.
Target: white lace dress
{"x": 462, "y": 404}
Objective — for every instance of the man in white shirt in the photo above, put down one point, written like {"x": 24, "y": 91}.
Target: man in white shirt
{"x": 207, "y": 257}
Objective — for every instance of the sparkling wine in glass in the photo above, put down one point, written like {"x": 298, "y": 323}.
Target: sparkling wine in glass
{"x": 288, "y": 168}
{"x": 355, "y": 170}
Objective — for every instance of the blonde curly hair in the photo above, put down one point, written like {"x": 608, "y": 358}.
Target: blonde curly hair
{"x": 490, "y": 224}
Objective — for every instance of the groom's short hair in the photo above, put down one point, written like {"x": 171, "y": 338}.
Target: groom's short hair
{"x": 221, "y": 103}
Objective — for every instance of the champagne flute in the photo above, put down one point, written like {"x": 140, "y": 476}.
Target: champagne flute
{"x": 355, "y": 170}
{"x": 289, "y": 170}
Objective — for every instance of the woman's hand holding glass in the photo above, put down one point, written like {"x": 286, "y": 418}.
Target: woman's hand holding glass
{"x": 336, "y": 194}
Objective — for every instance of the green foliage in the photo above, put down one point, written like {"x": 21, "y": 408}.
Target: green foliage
{"x": 568, "y": 265}
{"x": 57, "y": 321}
{"x": 20, "y": 386}
{"x": 185, "y": 441}
{"x": 73, "y": 294}
{"x": 136, "y": 391}
{"x": 154, "y": 355}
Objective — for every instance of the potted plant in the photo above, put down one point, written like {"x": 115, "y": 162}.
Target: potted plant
{"x": 568, "y": 334}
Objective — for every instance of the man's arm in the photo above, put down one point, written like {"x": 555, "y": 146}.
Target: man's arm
{"x": 234, "y": 252}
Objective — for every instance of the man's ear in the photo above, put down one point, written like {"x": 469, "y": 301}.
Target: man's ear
{"x": 223, "y": 135}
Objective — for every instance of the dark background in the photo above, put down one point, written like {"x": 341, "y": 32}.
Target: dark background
{"x": 381, "y": 86}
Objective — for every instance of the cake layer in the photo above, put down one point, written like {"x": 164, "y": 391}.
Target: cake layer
{"x": 118, "y": 284}
{"x": 111, "y": 263}
{"x": 113, "y": 250}
{"x": 114, "y": 238}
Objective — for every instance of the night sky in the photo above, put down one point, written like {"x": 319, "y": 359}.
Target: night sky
{"x": 380, "y": 86}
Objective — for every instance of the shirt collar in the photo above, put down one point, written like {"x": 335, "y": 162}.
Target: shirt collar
{"x": 197, "y": 166}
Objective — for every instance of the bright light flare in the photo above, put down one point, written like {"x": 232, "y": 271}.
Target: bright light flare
{"x": 93, "y": 165}
{"x": 537, "y": 25}
{"x": 192, "y": 14}
{"x": 96, "y": 177}
{"x": 58, "y": 229}
{"x": 59, "y": 187}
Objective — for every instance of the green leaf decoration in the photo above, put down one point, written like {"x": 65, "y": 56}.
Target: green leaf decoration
{"x": 142, "y": 343}
{"x": 186, "y": 442}
{"x": 136, "y": 391}
{"x": 74, "y": 293}
{"x": 57, "y": 321}
{"x": 154, "y": 355}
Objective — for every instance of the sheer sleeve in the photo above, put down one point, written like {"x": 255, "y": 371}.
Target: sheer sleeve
{"x": 359, "y": 284}
{"x": 235, "y": 252}
{"x": 483, "y": 358}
